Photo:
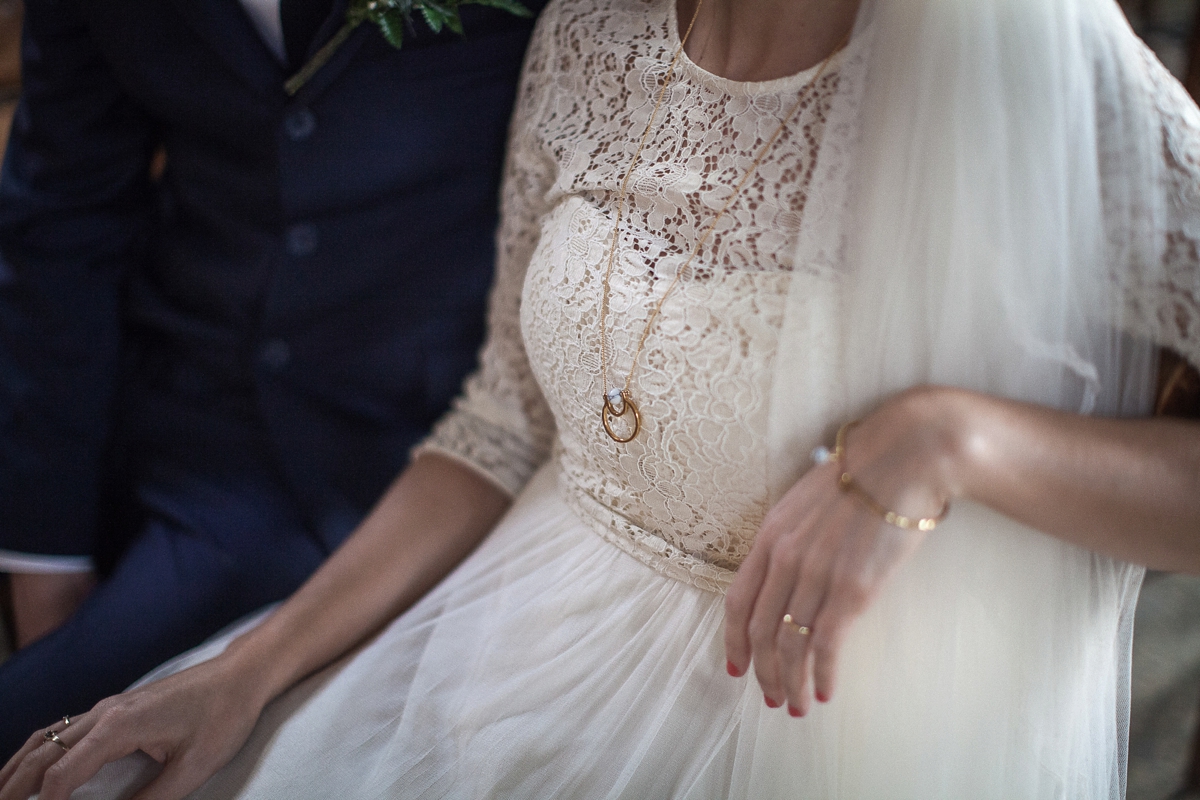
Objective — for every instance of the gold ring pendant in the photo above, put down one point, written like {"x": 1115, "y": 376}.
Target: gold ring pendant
{"x": 609, "y": 412}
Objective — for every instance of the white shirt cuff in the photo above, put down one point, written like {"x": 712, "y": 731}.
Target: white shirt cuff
{"x": 42, "y": 564}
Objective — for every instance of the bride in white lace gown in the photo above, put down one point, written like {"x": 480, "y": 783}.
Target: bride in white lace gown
{"x": 581, "y": 650}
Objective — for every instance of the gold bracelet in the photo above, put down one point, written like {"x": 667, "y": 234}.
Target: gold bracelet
{"x": 847, "y": 483}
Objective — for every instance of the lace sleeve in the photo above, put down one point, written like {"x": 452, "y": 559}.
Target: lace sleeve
{"x": 500, "y": 425}
{"x": 1163, "y": 298}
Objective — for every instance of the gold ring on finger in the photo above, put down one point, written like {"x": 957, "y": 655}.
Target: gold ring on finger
{"x": 803, "y": 630}
{"x": 66, "y": 721}
{"x": 52, "y": 736}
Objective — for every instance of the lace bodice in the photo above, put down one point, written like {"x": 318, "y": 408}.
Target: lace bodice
{"x": 688, "y": 494}
{"x": 1163, "y": 303}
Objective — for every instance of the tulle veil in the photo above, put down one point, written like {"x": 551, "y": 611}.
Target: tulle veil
{"x": 998, "y": 188}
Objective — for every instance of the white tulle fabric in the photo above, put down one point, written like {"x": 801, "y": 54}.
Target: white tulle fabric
{"x": 578, "y": 653}
{"x": 1005, "y": 201}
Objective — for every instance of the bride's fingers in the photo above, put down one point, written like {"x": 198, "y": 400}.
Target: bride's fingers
{"x": 790, "y": 517}
{"x": 35, "y": 741}
{"x": 794, "y": 643}
{"x": 791, "y": 563}
{"x": 25, "y": 772}
{"x": 26, "y": 780}
{"x": 90, "y": 750}
{"x": 799, "y": 636}
{"x": 856, "y": 578}
{"x": 820, "y": 605}
{"x": 833, "y": 622}
{"x": 739, "y": 604}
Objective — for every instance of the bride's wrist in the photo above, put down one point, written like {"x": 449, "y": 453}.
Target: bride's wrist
{"x": 964, "y": 424}
{"x": 949, "y": 437}
{"x": 254, "y": 668}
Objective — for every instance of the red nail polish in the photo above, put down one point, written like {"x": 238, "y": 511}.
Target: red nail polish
{"x": 822, "y": 697}
{"x": 732, "y": 670}
{"x": 771, "y": 703}
{"x": 795, "y": 712}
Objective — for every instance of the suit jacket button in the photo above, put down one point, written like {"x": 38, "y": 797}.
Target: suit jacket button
{"x": 299, "y": 124}
{"x": 301, "y": 239}
{"x": 275, "y": 355}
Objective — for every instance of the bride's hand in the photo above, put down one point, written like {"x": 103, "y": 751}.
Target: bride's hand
{"x": 822, "y": 555}
{"x": 192, "y": 723}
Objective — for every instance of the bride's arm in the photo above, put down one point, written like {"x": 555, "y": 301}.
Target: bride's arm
{"x": 193, "y": 722}
{"x": 431, "y": 517}
{"x": 1129, "y": 488}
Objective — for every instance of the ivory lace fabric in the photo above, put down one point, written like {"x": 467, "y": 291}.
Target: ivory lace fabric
{"x": 578, "y": 652}
{"x": 1163, "y": 304}
{"x": 687, "y": 495}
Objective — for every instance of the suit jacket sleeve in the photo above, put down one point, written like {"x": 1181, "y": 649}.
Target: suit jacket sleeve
{"x": 74, "y": 207}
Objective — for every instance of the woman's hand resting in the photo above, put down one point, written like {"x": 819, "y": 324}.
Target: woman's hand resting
{"x": 192, "y": 723}
{"x": 822, "y": 556}
{"x": 1126, "y": 488}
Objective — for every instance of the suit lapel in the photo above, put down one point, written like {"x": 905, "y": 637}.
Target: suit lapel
{"x": 226, "y": 28}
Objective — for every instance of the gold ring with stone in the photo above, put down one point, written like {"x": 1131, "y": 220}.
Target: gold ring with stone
{"x": 803, "y": 630}
{"x": 52, "y": 736}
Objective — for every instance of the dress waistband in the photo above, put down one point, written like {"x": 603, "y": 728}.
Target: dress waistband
{"x": 649, "y": 548}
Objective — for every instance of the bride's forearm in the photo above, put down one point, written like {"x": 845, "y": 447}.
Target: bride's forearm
{"x": 431, "y": 517}
{"x": 1126, "y": 487}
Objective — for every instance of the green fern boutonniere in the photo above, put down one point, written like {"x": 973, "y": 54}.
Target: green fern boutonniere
{"x": 392, "y": 17}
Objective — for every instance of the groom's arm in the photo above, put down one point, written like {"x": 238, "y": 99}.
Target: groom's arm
{"x": 74, "y": 204}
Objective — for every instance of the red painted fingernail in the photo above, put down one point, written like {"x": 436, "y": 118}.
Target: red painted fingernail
{"x": 732, "y": 670}
{"x": 822, "y": 697}
{"x": 795, "y": 712}
{"x": 771, "y": 703}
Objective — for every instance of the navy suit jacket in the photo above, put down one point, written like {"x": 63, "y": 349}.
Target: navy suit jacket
{"x": 315, "y": 265}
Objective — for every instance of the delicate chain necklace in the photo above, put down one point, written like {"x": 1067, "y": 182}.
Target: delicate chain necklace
{"x": 619, "y": 401}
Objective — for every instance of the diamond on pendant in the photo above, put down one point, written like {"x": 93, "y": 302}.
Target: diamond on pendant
{"x": 821, "y": 455}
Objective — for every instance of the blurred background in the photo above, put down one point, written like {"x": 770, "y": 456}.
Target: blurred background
{"x": 1164, "y": 749}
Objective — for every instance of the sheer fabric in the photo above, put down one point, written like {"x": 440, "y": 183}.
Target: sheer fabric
{"x": 1012, "y": 210}
{"x": 578, "y": 652}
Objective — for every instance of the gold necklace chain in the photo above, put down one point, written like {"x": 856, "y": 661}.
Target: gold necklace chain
{"x": 610, "y": 410}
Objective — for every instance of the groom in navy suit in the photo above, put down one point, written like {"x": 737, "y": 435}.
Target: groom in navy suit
{"x": 209, "y": 372}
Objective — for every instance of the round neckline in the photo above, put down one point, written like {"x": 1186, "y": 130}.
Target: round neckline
{"x": 729, "y": 85}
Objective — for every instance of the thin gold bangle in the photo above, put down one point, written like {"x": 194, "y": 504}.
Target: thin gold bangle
{"x": 847, "y": 483}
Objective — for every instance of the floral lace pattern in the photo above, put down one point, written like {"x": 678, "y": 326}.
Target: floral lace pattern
{"x": 1163, "y": 302}
{"x": 687, "y": 495}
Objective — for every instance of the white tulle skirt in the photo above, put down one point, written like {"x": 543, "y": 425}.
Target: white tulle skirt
{"x": 552, "y": 665}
